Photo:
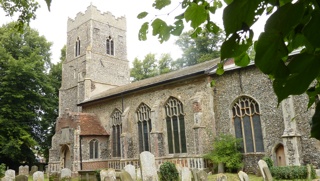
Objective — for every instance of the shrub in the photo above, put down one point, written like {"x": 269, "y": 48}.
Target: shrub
{"x": 291, "y": 172}
{"x": 2, "y": 169}
{"x": 168, "y": 172}
{"x": 268, "y": 160}
{"x": 226, "y": 149}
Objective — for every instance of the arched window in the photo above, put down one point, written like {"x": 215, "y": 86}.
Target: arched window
{"x": 94, "y": 149}
{"x": 77, "y": 49}
{"x": 144, "y": 127}
{"x": 116, "y": 133}
{"x": 110, "y": 46}
{"x": 247, "y": 124}
{"x": 175, "y": 126}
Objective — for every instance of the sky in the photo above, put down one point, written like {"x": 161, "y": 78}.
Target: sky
{"x": 53, "y": 24}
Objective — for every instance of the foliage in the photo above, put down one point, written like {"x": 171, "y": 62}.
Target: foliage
{"x": 28, "y": 100}
{"x": 226, "y": 149}
{"x": 202, "y": 48}
{"x": 150, "y": 66}
{"x": 268, "y": 160}
{"x": 168, "y": 172}
{"x": 291, "y": 172}
{"x": 292, "y": 25}
{"x": 2, "y": 170}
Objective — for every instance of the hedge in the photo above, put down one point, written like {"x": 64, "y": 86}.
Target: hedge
{"x": 292, "y": 172}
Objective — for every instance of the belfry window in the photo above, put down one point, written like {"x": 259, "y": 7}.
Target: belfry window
{"x": 116, "y": 133}
{"x": 144, "y": 127}
{"x": 247, "y": 124}
{"x": 94, "y": 149}
{"x": 77, "y": 48}
{"x": 175, "y": 126}
{"x": 109, "y": 46}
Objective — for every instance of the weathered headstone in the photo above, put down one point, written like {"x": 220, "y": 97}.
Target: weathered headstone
{"x": 131, "y": 170}
{"x": 194, "y": 174}
{"x": 125, "y": 176}
{"x": 222, "y": 177}
{"x": 186, "y": 174}
{"x": 262, "y": 164}
{"x": 267, "y": 173}
{"x": 138, "y": 173}
{"x": 202, "y": 175}
{"x": 243, "y": 176}
{"x": 34, "y": 168}
{"x": 9, "y": 175}
{"x": 221, "y": 168}
{"x": 21, "y": 178}
{"x": 108, "y": 175}
{"x": 24, "y": 170}
{"x": 148, "y": 167}
{"x": 65, "y": 173}
{"x": 179, "y": 169}
{"x": 38, "y": 176}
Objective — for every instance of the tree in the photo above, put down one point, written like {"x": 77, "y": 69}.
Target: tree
{"x": 27, "y": 97}
{"x": 292, "y": 25}
{"x": 199, "y": 49}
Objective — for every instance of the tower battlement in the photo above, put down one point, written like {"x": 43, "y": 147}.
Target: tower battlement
{"x": 92, "y": 13}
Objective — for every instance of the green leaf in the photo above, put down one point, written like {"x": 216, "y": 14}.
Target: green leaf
{"x": 315, "y": 123}
{"x": 161, "y": 29}
{"x": 311, "y": 30}
{"x": 270, "y": 49}
{"x": 196, "y": 32}
{"x": 242, "y": 60}
{"x": 239, "y": 14}
{"x": 159, "y": 4}
{"x": 232, "y": 47}
{"x": 280, "y": 21}
{"x": 177, "y": 30}
{"x": 220, "y": 69}
{"x": 303, "y": 68}
{"x": 181, "y": 16}
{"x": 212, "y": 83}
{"x": 228, "y": 1}
{"x": 197, "y": 14}
{"x": 143, "y": 31}
{"x": 48, "y": 4}
{"x": 212, "y": 27}
{"x": 142, "y": 15}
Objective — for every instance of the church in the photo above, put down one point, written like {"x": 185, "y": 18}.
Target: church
{"x": 106, "y": 121}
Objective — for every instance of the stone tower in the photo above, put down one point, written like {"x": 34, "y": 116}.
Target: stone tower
{"x": 96, "y": 57}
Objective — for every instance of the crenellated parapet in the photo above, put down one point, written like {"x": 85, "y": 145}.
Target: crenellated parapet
{"x": 92, "y": 13}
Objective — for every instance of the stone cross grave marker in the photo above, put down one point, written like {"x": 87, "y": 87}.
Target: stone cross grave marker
{"x": 131, "y": 170}
{"x": 38, "y": 176}
{"x": 148, "y": 167}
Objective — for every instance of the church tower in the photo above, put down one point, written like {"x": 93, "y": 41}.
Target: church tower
{"x": 96, "y": 57}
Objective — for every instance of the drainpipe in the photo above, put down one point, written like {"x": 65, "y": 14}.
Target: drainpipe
{"x": 80, "y": 152}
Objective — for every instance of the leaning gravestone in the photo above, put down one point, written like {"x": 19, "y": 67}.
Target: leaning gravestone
{"x": 202, "y": 175}
{"x": 148, "y": 167}
{"x": 65, "y": 174}
{"x": 243, "y": 176}
{"x": 262, "y": 164}
{"x": 186, "y": 174}
{"x": 9, "y": 175}
{"x": 24, "y": 170}
{"x": 267, "y": 173}
{"x": 131, "y": 170}
{"x": 125, "y": 176}
{"x": 21, "y": 178}
{"x": 34, "y": 168}
{"x": 108, "y": 175}
{"x": 38, "y": 176}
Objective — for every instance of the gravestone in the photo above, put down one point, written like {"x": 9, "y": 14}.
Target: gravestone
{"x": 108, "y": 175}
{"x": 38, "y": 176}
{"x": 125, "y": 176}
{"x": 65, "y": 173}
{"x": 138, "y": 173}
{"x": 179, "y": 169}
{"x": 148, "y": 167}
{"x": 243, "y": 176}
{"x": 262, "y": 164}
{"x": 9, "y": 175}
{"x": 222, "y": 177}
{"x": 34, "y": 168}
{"x": 267, "y": 173}
{"x": 194, "y": 174}
{"x": 24, "y": 170}
{"x": 186, "y": 174}
{"x": 21, "y": 178}
{"x": 202, "y": 175}
{"x": 131, "y": 170}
